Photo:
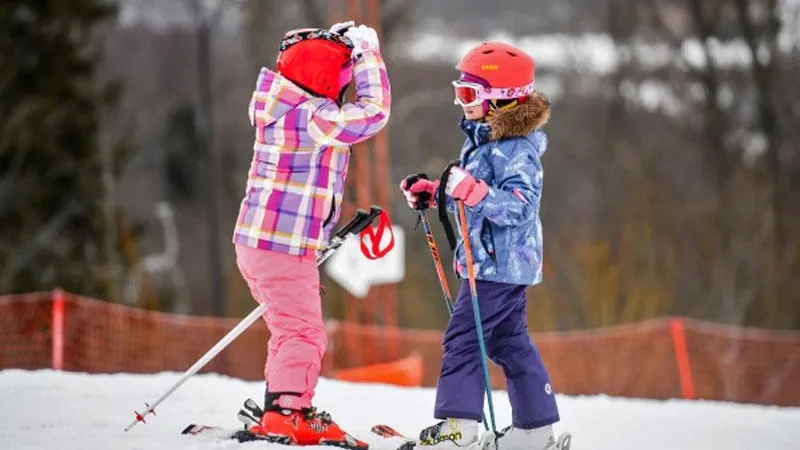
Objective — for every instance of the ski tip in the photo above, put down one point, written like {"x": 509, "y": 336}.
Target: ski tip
{"x": 386, "y": 431}
{"x": 194, "y": 429}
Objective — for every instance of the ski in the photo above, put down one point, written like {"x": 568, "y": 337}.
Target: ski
{"x": 218, "y": 433}
{"x": 241, "y": 435}
{"x": 487, "y": 441}
{"x": 389, "y": 438}
{"x": 387, "y": 432}
{"x": 396, "y": 440}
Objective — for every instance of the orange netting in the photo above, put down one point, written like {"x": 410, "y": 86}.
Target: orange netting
{"x": 664, "y": 358}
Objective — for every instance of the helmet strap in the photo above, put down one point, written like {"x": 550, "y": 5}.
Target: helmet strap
{"x": 341, "y": 94}
{"x": 487, "y": 109}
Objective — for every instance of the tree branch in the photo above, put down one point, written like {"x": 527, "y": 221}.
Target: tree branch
{"x": 313, "y": 14}
{"x": 709, "y": 76}
{"x": 395, "y": 16}
{"x": 42, "y": 239}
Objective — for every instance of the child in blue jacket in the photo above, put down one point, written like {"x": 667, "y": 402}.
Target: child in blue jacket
{"x": 499, "y": 179}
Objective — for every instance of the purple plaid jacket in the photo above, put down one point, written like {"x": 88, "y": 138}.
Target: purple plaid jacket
{"x": 296, "y": 179}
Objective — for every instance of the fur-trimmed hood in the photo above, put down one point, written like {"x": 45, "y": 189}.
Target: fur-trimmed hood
{"x": 505, "y": 152}
{"x": 520, "y": 120}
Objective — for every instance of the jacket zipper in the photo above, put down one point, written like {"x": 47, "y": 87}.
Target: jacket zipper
{"x": 488, "y": 226}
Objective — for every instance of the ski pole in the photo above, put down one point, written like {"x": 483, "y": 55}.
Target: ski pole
{"x": 473, "y": 287}
{"x": 360, "y": 220}
{"x": 437, "y": 261}
{"x": 451, "y": 239}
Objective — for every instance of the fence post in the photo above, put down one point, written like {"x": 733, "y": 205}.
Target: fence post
{"x": 678, "y": 331}
{"x": 57, "y": 335}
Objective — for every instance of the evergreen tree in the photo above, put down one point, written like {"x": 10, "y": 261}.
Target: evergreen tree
{"x": 53, "y": 228}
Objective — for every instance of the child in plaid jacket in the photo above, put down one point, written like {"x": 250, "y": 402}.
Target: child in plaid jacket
{"x": 295, "y": 184}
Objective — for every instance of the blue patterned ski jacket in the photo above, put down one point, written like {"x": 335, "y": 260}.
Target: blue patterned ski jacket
{"x": 505, "y": 228}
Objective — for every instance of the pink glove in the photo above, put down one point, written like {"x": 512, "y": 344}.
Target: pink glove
{"x": 420, "y": 192}
{"x": 463, "y": 186}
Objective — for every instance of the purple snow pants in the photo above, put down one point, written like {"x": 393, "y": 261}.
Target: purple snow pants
{"x": 460, "y": 390}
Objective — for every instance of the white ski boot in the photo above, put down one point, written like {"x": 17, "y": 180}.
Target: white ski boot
{"x": 450, "y": 434}
{"x": 541, "y": 438}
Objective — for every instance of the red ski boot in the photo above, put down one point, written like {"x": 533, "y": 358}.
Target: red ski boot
{"x": 304, "y": 427}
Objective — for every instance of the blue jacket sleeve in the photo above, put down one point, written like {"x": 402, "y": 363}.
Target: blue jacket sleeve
{"x": 515, "y": 197}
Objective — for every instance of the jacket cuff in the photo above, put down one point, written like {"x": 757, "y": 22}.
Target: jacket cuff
{"x": 478, "y": 193}
{"x": 372, "y": 57}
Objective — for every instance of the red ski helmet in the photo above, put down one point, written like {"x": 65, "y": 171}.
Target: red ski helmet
{"x": 317, "y": 60}
{"x": 501, "y": 65}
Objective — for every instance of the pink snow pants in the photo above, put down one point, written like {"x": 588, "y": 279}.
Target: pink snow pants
{"x": 289, "y": 285}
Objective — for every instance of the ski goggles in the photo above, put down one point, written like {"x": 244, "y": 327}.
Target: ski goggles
{"x": 473, "y": 94}
{"x": 304, "y": 34}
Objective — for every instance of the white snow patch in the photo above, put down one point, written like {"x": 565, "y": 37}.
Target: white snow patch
{"x": 70, "y": 411}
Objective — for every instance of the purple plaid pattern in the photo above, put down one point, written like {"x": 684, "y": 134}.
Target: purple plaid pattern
{"x": 301, "y": 152}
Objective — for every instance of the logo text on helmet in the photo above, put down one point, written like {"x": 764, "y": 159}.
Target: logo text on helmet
{"x": 489, "y": 67}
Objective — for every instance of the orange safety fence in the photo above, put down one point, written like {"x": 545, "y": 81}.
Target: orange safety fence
{"x": 664, "y": 358}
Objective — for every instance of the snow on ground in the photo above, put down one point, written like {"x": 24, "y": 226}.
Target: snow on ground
{"x": 71, "y": 411}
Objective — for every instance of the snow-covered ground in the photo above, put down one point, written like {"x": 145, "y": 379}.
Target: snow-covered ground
{"x": 71, "y": 411}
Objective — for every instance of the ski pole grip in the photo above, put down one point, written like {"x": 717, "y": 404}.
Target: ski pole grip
{"x": 359, "y": 217}
{"x": 374, "y": 211}
{"x": 448, "y": 227}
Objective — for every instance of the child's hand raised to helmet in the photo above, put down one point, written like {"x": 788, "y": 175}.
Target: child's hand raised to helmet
{"x": 363, "y": 38}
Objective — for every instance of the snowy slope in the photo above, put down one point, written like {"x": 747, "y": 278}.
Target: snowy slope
{"x": 51, "y": 410}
